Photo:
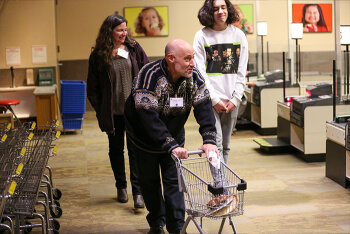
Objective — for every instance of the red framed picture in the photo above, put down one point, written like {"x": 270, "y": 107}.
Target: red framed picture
{"x": 315, "y": 17}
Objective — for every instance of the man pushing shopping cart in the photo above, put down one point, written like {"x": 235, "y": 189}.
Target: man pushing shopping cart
{"x": 163, "y": 94}
{"x": 162, "y": 97}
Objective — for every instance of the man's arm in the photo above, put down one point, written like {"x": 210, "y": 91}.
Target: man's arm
{"x": 146, "y": 105}
{"x": 204, "y": 114}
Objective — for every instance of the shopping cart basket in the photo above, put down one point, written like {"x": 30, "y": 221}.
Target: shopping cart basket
{"x": 12, "y": 151}
{"x": 21, "y": 204}
{"x": 209, "y": 192}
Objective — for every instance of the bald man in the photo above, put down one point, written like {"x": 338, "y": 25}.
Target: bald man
{"x": 162, "y": 97}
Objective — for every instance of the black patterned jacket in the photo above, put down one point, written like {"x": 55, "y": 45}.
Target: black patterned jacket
{"x": 152, "y": 124}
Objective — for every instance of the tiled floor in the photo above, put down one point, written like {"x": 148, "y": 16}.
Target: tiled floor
{"x": 284, "y": 195}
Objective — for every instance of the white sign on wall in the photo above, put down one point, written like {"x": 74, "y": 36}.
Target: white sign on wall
{"x": 297, "y": 30}
{"x": 39, "y": 55}
{"x": 345, "y": 34}
{"x": 13, "y": 56}
{"x": 262, "y": 28}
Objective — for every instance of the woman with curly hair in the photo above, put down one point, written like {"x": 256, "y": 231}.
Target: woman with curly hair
{"x": 149, "y": 22}
{"x": 114, "y": 62}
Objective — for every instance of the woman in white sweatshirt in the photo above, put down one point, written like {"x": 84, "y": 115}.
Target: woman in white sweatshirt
{"x": 226, "y": 84}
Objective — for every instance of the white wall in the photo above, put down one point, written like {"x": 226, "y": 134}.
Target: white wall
{"x": 24, "y": 23}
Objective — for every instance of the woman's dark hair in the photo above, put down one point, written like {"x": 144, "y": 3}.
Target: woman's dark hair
{"x": 104, "y": 41}
{"x": 321, "y": 22}
{"x": 206, "y": 13}
{"x": 138, "y": 23}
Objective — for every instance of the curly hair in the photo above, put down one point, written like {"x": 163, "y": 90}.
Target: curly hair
{"x": 206, "y": 13}
{"x": 138, "y": 23}
{"x": 104, "y": 41}
{"x": 321, "y": 22}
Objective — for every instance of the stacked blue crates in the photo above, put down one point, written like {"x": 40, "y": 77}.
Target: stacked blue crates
{"x": 73, "y": 103}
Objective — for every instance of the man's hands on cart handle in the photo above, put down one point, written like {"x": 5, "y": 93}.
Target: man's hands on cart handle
{"x": 180, "y": 152}
{"x": 208, "y": 148}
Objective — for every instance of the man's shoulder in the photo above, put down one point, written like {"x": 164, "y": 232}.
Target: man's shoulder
{"x": 197, "y": 76}
{"x": 196, "y": 72}
{"x": 154, "y": 65}
{"x": 149, "y": 74}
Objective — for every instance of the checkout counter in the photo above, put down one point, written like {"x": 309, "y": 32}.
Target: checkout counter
{"x": 263, "y": 98}
{"x": 338, "y": 152}
{"x": 308, "y": 117}
{"x": 301, "y": 123}
{"x": 307, "y": 128}
{"x": 38, "y": 102}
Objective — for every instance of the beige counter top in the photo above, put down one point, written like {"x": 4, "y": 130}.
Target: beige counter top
{"x": 19, "y": 88}
{"x": 45, "y": 90}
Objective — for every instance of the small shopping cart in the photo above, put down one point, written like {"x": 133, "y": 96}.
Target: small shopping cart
{"x": 209, "y": 192}
{"x": 24, "y": 154}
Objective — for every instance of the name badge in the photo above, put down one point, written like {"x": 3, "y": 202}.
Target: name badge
{"x": 176, "y": 102}
{"x": 123, "y": 53}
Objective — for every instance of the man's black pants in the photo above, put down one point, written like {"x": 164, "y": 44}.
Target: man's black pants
{"x": 170, "y": 209}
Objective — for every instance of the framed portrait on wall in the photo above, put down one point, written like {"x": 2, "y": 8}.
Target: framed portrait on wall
{"x": 147, "y": 21}
{"x": 314, "y": 17}
{"x": 246, "y": 20}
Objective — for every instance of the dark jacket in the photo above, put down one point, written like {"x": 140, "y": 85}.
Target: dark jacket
{"x": 153, "y": 122}
{"x": 99, "y": 88}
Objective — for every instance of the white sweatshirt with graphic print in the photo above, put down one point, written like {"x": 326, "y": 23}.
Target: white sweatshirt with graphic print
{"x": 224, "y": 69}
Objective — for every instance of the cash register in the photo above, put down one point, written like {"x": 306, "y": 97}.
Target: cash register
{"x": 319, "y": 95}
{"x": 273, "y": 79}
{"x": 45, "y": 77}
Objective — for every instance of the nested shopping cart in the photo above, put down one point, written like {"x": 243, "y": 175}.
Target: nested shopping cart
{"x": 209, "y": 192}
{"x": 12, "y": 150}
{"x": 21, "y": 205}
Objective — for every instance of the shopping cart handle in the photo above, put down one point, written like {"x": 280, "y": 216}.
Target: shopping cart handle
{"x": 195, "y": 152}
{"x": 188, "y": 152}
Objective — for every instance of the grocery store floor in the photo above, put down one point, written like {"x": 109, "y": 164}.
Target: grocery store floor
{"x": 284, "y": 195}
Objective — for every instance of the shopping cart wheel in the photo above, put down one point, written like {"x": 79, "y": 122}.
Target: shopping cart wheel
{"x": 55, "y": 224}
{"x": 27, "y": 230}
{"x": 56, "y": 212}
{"x": 57, "y": 203}
{"x": 57, "y": 194}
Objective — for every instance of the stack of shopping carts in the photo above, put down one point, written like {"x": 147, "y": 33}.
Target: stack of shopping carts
{"x": 216, "y": 193}
{"x": 24, "y": 186}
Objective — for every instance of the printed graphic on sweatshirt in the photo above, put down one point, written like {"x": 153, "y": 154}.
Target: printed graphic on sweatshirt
{"x": 222, "y": 58}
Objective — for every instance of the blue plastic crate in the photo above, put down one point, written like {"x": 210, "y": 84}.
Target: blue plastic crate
{"x": 72, "y": 116}
{"x": 73, "y": 96}
{"x": 72, "y": 123}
